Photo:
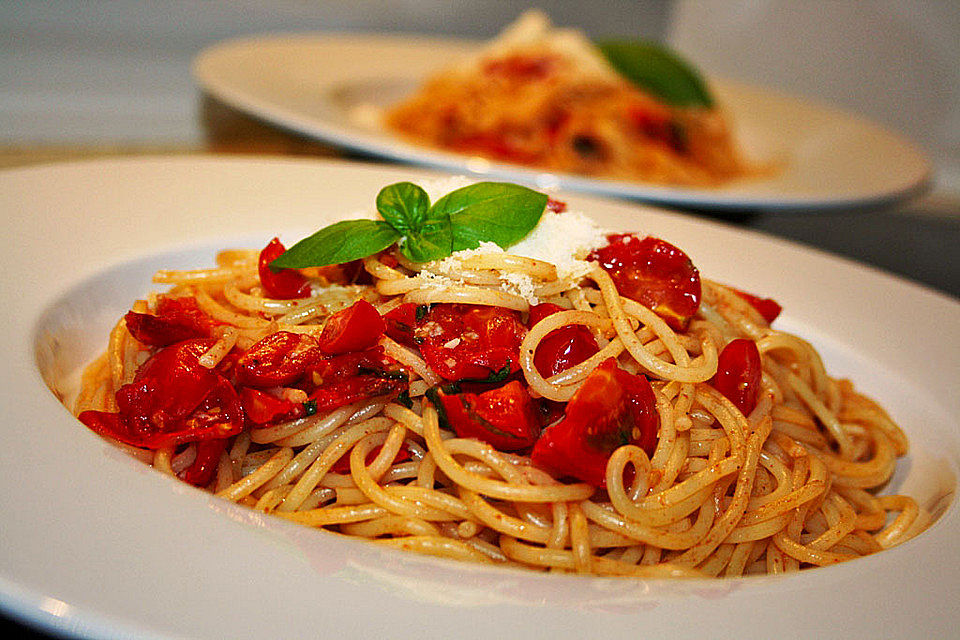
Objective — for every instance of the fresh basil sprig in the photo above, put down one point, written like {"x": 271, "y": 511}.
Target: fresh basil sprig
{"x": 658, "y": 70}
{"x": 498, "y": 212}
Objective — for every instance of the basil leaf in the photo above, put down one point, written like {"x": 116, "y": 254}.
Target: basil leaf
{"x": 341, "y": 242}
{"x": 658, "y": 70}
{"x": 404, "y": 205}
{"x": 425, "y": 247}
{"x": 497, "y": 212}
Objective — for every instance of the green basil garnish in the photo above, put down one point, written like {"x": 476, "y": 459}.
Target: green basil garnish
{"x": 497, "y": 212}
{"x": 659, "y": 71}
{"x": 339, "y": 243}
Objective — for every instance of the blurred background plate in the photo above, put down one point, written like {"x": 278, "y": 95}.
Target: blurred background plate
{"x": 332, "y": 87}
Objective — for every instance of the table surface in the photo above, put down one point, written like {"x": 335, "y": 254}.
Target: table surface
{"x": 917, "y": 240}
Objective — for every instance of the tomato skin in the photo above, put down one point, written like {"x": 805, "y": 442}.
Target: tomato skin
{"x": 176, "y": 320}
{"x": 172, "y": 400}
{"x": 739, "y": 370}
{"x": 355, "y": 328}
{"x": 562, "y": 348}
{"x": 470, "y": 342}
{"x": 279, "y": 359}
{"x": 653, "y": 272}
{"x": 285, "y": 283}
{"x": 612, "y": 408}
{"x": 504, "y": 417}
{"x": 768, "y": 308}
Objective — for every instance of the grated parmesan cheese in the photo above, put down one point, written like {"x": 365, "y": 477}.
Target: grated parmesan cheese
{"x": 561, "y": 238}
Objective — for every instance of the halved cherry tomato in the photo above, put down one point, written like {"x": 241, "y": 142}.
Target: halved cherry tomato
{"x": 263, "y": 408}
{"x": 344, "y": 379}
{"x": 766, "y": 307}
{"x": 504, "y": 418}
{"x": 200, "y": 473}
{"x": 470, "y": 342}
{"x": 375, "y": 384}
{"x": 739, "y": 370}
{"x": 402, "y": 321}
{"x": 612, "y": 408}
{"x": 355, "y": 328}
{"x": 561, "y": 348}
{"x": 653, "y": 272}
{"x": 284, "y": 283}
{"x": 176, "y": 320}
{"x": 173, "y": 399}
{"x": 279, "y": 359}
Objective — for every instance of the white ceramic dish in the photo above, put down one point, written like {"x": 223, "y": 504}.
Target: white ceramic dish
{"x": 324, "y": 85}
{"x": 97, "y": 544}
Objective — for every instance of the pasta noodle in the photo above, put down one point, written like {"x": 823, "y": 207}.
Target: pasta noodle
{"x": 547, "y": 98}
{"x": 788, "y": 485}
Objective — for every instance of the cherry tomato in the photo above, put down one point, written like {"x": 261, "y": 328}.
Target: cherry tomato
{"x": 504, "y": 418}
{"x": 402, "y": 321}
{"x": 200, "y": 473}
{"x": 739, "y": 369}
{"x": 767, "y": 307}
{"x": 173, "y": 399}
{"x": 611, "y": 409}
{"x": 176, "y": 320}
{"x": 364, "y": 386}
{"x": 279, "y": 359}
{"x": 283, "y": 283}
{"x": 347, "y": 378}
{"x": 263, "y": 408}
{"x": 654, "y": 273}
{"x": 470, "y": 342}
{"x": 562, "y": 348}
{"x": 355, "y": 328}
{"x": 657, "y": 124}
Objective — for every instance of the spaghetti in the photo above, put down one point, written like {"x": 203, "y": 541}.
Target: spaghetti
{"x": 405, "y": 434}
{"x": 547, "y": 98}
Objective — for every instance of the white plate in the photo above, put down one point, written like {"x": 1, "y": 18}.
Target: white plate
{"x": 96, "y": 543}
{"x": 322, "y": 85}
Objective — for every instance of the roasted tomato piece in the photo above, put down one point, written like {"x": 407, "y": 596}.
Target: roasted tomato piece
{"x": 561, "y": 348}
{"x": 504, "y": 418}
{"x": 263, "y": 408}
{"x": 654, "y": 273}
{"x": 470, "y": 342}
{"x": 401, "y": 322}
{"x": 611, "y": 409}
{"x": 172, "y": 400}
{"x": 347, "y": 378}
{"x": 279, "y": 359}
{"x": 283, "y": 284}
{"x": 200, "y": 473}
{"x": 355, "y": 328}
{"x": 739, "y": 370}
{"x": 766, "y": 307}
{"x": 359, "y": 387}
{"x": 176, "y": 320}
